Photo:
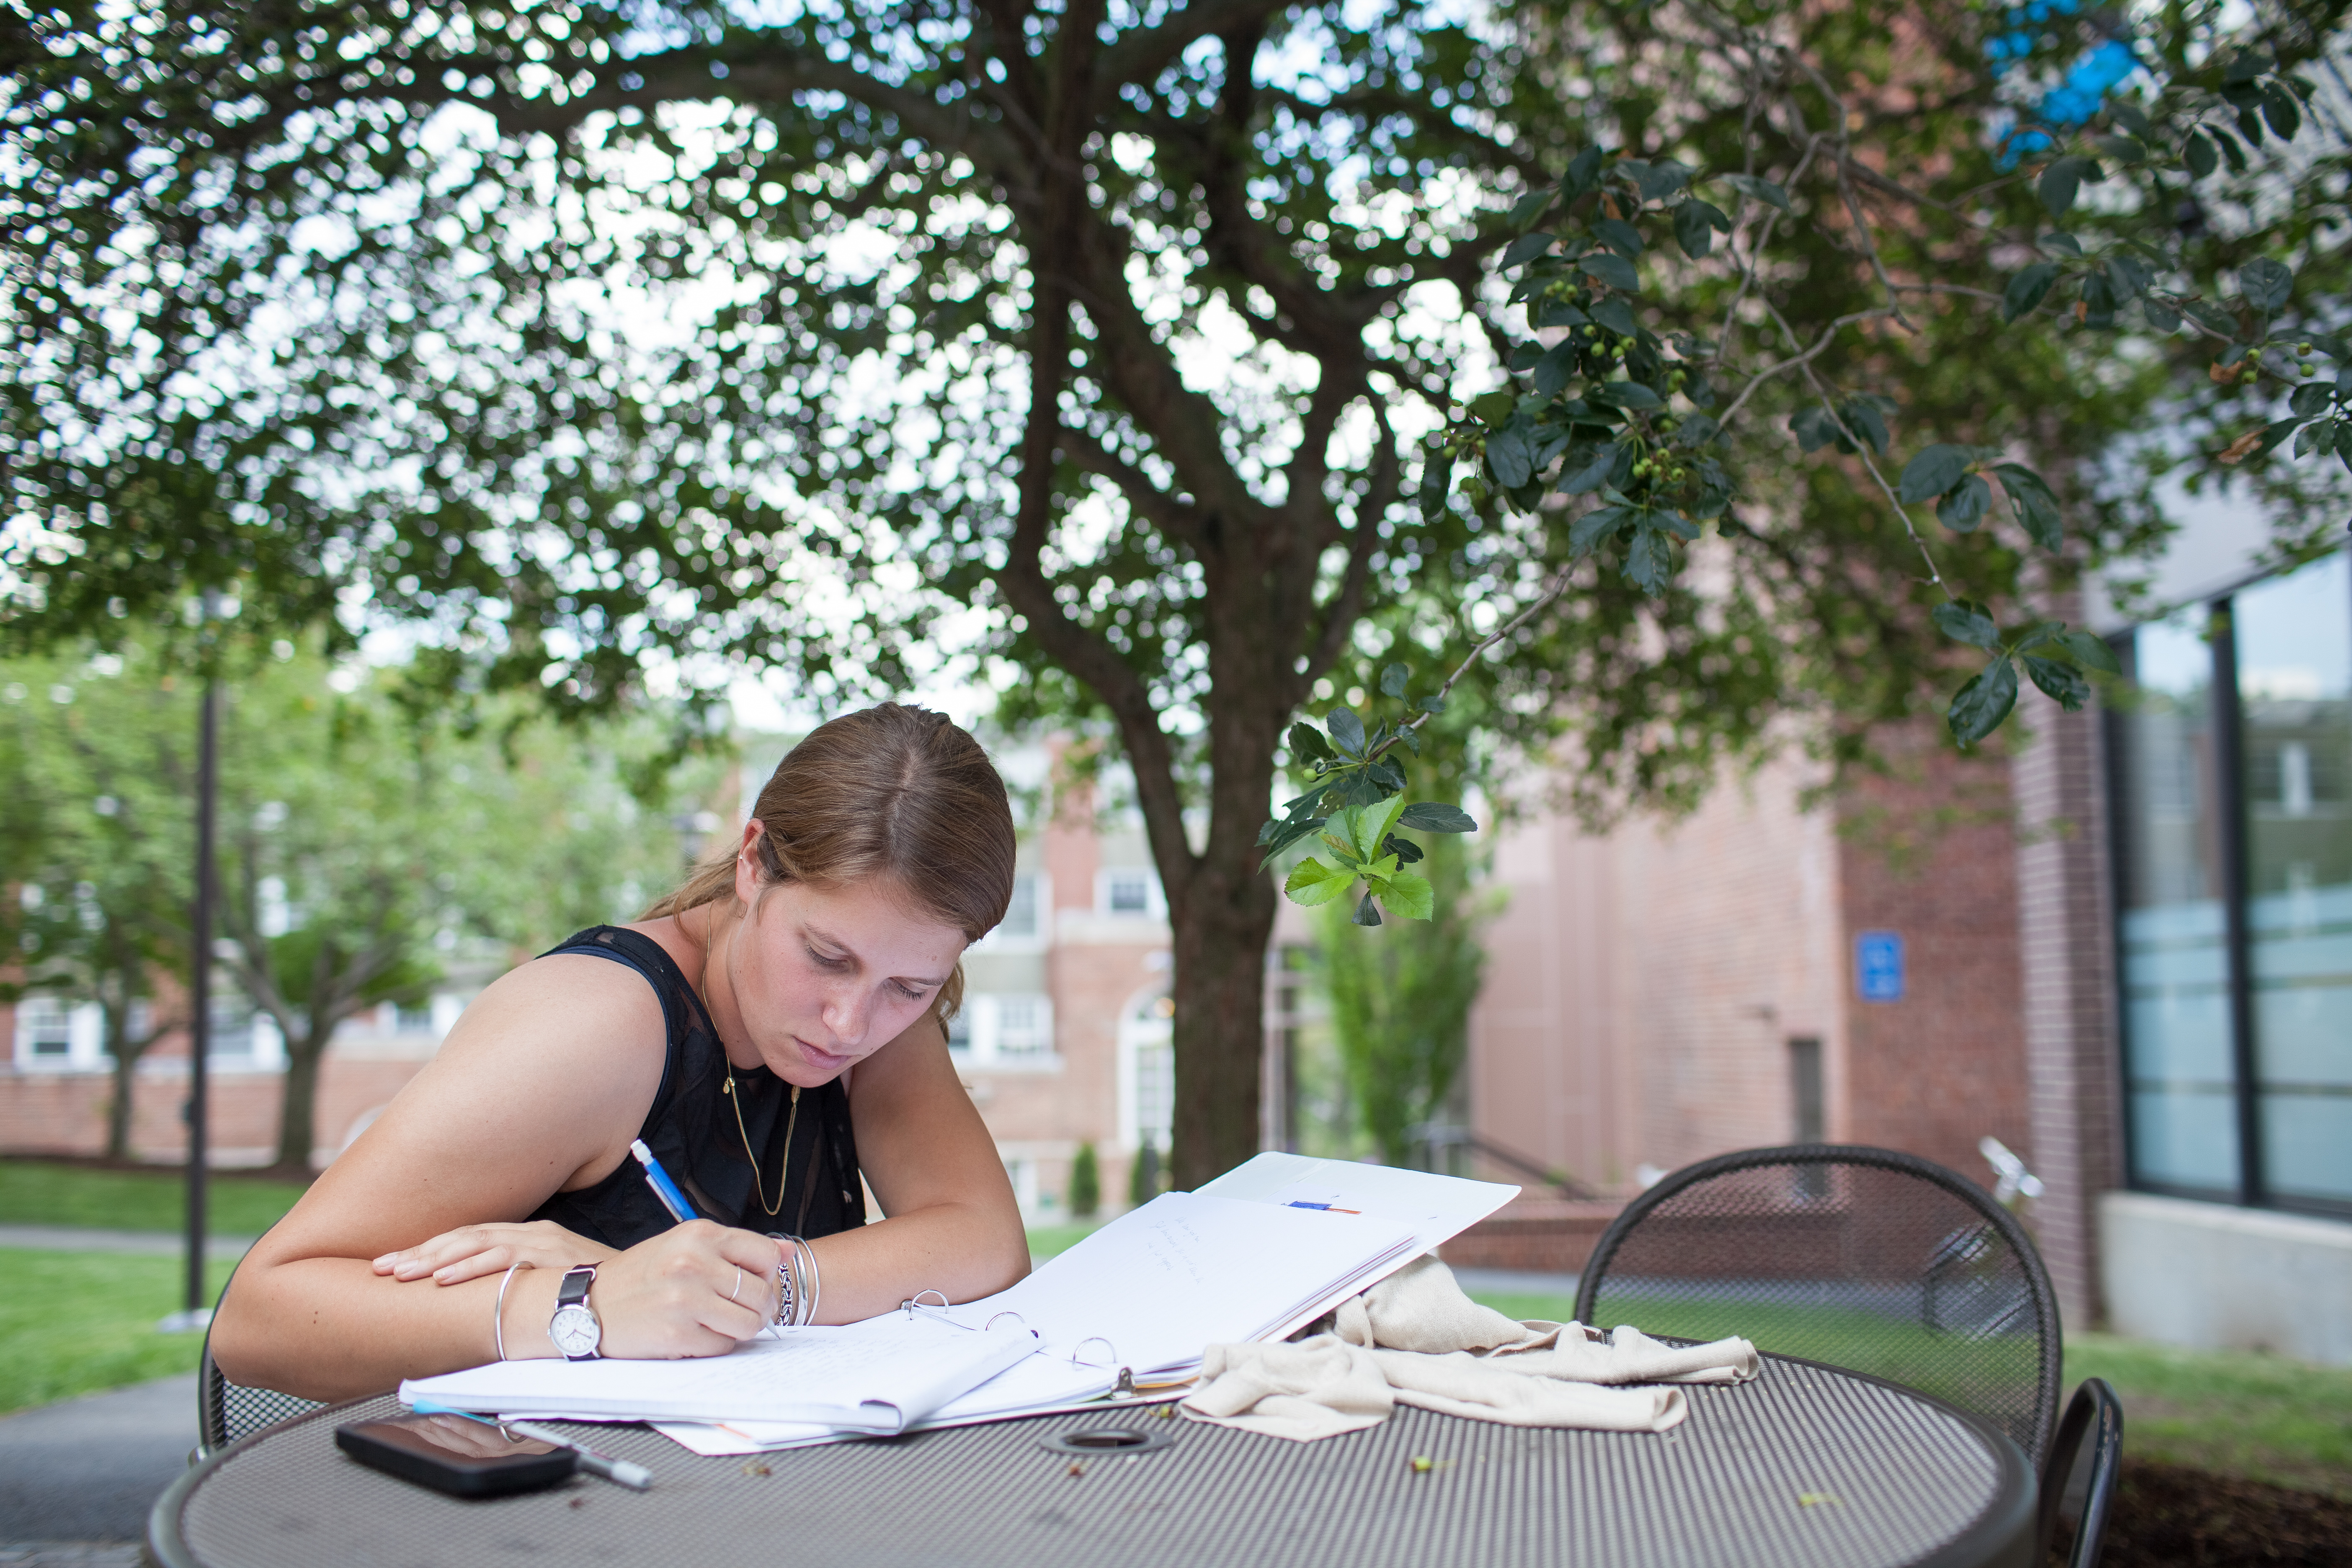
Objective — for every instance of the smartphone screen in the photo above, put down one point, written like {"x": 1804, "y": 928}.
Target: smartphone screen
{"x": 455, "y": 1454}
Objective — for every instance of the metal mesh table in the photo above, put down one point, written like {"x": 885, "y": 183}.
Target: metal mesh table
{"x": 1805, "y": 1467}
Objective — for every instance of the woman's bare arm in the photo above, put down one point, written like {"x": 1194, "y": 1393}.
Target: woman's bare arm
{"x": 539, "y": 1088}
{"x": 953, "y": 1225}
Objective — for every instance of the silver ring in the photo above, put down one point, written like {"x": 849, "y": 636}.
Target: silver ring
{"x": 739, "y": 1283}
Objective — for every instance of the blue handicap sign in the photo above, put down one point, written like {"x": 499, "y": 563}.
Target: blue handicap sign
{"x": 1878, "y": 965}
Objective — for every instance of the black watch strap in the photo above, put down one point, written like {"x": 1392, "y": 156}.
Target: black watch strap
{"x": 575, "y": 1288}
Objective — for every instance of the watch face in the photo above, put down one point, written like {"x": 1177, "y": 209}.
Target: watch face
{"x": 574, "y": 1330}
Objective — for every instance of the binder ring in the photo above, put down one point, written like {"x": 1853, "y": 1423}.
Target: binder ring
{"x": 1094, "y": 1340}
{"x": 911, "y": 1302}
{"x": 1014, "y": 1316}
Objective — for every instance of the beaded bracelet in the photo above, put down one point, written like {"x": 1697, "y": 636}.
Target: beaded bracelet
{"x": 787, "y": 1298}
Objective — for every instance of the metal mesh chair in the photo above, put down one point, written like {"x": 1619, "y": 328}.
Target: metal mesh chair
{"x": 2075, "y": 1497}
{"x": 227, "y": 1411}
{"x": 1863, "y": 1258}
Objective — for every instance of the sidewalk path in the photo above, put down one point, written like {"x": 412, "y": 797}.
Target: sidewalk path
{"x": 1515, "y": 1282}
{"x": 86, "y": 1471}
{"x": 85, "y": 1239}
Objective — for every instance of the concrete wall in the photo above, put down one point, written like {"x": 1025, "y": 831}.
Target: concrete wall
{"x": 2214, "y": 1277}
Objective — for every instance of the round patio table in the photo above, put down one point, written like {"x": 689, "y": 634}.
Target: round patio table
{"x": 1805, "y": 1467}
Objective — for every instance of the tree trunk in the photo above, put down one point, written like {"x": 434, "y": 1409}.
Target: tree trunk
{"x": 297, "y": 1114}
{"x": 1219, "y": 989}
{"x": 118, "y": 1112}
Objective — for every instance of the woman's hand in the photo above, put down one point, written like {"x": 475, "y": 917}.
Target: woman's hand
{"x": 694, "y": 1290}
{"x": 473, "y": 1250}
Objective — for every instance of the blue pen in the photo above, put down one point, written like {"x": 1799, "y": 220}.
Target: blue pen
{"x": 658, "y": 1180}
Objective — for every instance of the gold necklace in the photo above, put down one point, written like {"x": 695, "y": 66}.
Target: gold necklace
{"x": 759, "y": 1187}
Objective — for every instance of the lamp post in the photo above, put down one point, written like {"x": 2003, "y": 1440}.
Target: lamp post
{"x": 195, "y": 1312}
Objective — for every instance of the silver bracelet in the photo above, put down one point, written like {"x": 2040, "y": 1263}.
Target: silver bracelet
{"x": 815, "y": 1282}
{"x": 786, "y": 1296}
{"x": 498, "y": 1313}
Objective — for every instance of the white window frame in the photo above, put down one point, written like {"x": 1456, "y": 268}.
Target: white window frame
{"x": 1141, "y": 1029}
{"x": 1037, "y": 941}
{"x": 85, "y": 1035}
{"x": 986, "y": 1041}
{"x": 1155, "y": 898}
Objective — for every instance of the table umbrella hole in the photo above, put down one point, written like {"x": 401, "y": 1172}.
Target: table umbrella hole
{"x": 1095, "y": 1440}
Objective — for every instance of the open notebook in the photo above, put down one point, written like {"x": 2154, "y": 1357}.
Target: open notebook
{"x": 1150, "y": 1290}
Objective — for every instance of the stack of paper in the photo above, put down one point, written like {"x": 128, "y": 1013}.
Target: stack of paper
{"x": 1256, "y": 1255}
{"x": 877, "y": 1376}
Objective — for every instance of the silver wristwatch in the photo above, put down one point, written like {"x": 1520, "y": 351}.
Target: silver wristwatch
{"x": 574, "y": 1328}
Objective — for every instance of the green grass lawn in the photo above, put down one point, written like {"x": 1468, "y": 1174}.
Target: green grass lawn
{"x": 35, "y": 1192}
{"x": 76, "y": 1323}
{"x": 2234, "y": 1413}
{"x": 1049, "y": 1241}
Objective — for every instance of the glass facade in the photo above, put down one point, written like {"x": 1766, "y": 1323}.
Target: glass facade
{"x": 2233, "y": 841}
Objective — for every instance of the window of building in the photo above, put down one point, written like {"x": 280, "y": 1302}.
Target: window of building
{"x": 1003, "y": 1030}
{"x": 44, "y": 1028}
{"x": 1130, "y": 890}
{"x": 2233, "y": 840}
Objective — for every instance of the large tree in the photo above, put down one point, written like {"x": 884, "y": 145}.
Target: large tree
{"x": 595, "y": 336}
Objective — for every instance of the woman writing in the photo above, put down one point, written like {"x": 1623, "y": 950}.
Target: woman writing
{"x": 772, "y": 1031}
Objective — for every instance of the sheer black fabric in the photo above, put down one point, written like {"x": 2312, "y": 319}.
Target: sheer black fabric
{"x": 691, "y": 1130}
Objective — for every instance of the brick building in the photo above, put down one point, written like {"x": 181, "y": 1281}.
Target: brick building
{"x": 2121, "y": 944}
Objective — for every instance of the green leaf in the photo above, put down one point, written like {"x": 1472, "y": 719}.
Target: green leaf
{"x": 2035, "y": 507}
{"x": 1863, "y": 418}
{"x": 1346, "y": 731}
{"x": 2027, "y": 288}
{"x": 1311, "y": 883}
{"x": 1528, "y": 208}
{"x": 1649, "y": 560}
{"x": 1408, "y": 894}
{"x": 1662, "y": 179}
{"x": 2312, "y": 398}
{"x": 1588, "y": 533}
{"x": 1963, "y": 507}
{"x": 1431, "y": 704}
{"x": 1619, "y": 235}
{"x": 2213, "y": 317}
{"x": 1696, "y": 223}
{"x": 1306, "y": 744}
{"x": 1436, "y": 816}
{"x": 1554, "y": 370}
{"x": 2059, "y": 681}
{"x": 2197, "y": 151}
{"x": 1612, "y": 270}
{"x": 2279, "y": 108}
{"x": 1508, "y": 458}
{"x": 1591, "y": 476}
{"x": 2160, "y": 316}
{"x": 1696, "y": 431}
{"x": 1369, "y": 824}
{"x": 1815, "y": 427}
{"x": 1979, "y": 708}
{"x": 1278, "y": 836}
{"x": 1967, "y": 621}
{"x": 2062, "y": 179}
{"x": 1583, "y": 169}
{"x": 1405, "y": 850}
{"x": 1764, "y": 191}
{"x": 1366, "y": 913}
{"x": 1625, "y": 394}
{"x": 2266, "y": 284}
{"x": 1615, "y": 314}
{"x": 1525, "y": 249}
{"x": 2128, "y": 276}
{"x": 2091, "y": 651}
{"x": 1933, "y": 471}
{"x": 1392, "y": 679}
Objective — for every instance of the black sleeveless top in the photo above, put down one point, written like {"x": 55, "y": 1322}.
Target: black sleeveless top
{"x": 692, "y": 1131}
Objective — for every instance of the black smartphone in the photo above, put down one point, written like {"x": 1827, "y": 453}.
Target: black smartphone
{"x": 452, "y": 1454}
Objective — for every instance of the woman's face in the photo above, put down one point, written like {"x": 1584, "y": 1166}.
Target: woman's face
{"x": 823, "y": 976}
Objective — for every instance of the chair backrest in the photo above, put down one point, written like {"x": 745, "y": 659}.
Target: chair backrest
{"x": 2078, "y": 1483}
{"x": 1869, "y": 1260}
{"x": 227, "y": 1411}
